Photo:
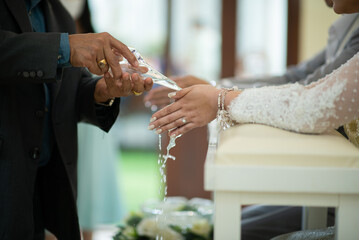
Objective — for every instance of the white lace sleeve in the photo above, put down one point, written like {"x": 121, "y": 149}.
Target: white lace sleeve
{"x": 316, "y": 108}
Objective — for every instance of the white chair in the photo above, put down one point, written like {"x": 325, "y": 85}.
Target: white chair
{"x": 257, "y": 164}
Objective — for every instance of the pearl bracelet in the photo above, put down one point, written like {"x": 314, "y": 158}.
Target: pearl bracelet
{"x": 223, "y": 117}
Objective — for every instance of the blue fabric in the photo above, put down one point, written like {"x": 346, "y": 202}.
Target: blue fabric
{"x": 37, "y": 19}
{"x": 64, "y": 51}
{"x": 36, "y": 15}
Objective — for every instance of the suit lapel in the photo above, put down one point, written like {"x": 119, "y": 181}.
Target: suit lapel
{"x": 51, "y": 24}
{"x": 55, "y": 88}
{"x": 18, "y": 10}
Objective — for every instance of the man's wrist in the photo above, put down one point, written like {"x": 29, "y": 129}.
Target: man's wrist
{"x": 63, "y": 57}
{"x": 101, "y": 95}
{"x": 108, "y": 103}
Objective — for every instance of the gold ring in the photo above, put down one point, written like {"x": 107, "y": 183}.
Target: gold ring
{"x": 101, "y": 64}
{"x": 137, "y": 93}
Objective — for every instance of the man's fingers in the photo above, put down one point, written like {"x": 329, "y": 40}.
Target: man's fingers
{"x": 148, "y": 84}
{"x": 113, "y": 62}
{"x": 87, "y": 50}
{"x": 110, "y": 84}
{"x": 142, "y": 69}
{"x": 125, "y": 52}
{"x": 117, "y": 53}
{"x": 93, "y": 68}
{"x": 138, "y": 84}
{"x": 118, "y": 87}
{"x": 126, "y": 84}
{"x": 102, "y": 63}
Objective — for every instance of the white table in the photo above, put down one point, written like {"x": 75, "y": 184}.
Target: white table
{"x": 257, "y": 164}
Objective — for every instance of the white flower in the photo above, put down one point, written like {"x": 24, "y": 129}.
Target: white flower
{"x": 129, "y": 232}
{"x": 201, "y": 227}
{"x": 150, "y": 228}
{"x": 147, "y": 227}
{"x": 168, "y": 234}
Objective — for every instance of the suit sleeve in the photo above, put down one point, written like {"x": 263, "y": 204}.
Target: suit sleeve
{"x": 29, "y": 57}
{"x": 101, "y": 116}
{"x": 308, "y": 71}
{"x": 351, "y": 48}
{"x": 293, "y": 74}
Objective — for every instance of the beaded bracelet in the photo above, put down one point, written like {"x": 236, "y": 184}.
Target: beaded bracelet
{"x": 224, "y": 119}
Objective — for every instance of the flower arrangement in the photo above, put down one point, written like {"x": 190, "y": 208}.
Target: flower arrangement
{"x": 172, "y": 220}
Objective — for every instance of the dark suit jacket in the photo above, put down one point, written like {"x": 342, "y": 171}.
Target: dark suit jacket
{"x": 27, "y": 60}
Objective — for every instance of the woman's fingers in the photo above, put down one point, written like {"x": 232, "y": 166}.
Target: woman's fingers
{"x": 174, "y": 121}
{"x": 194, "y": 107}
{"x": 182, "y": 129}
{"x": 166, "y": 115}
{"x": 158, "y": 96}
{"x": 179, "y": 94}
{"x": 172, "y": 115}
{"x": 161, "y": 117}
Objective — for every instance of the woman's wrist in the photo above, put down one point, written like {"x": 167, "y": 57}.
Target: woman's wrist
{"x": 223, "y": 116}
{"x": 229, "y": 98}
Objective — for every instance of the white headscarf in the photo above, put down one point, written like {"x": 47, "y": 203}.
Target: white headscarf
{"x": 74, "y": 7}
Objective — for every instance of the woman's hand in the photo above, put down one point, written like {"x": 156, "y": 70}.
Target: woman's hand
{"x": 194, "y": 107}
{"x": 159, "y": 95}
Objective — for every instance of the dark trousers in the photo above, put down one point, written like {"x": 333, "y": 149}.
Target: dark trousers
{"x": 39, "y": 231}
{"x": 54, "y": 202}
{"x": 261, "y": 222}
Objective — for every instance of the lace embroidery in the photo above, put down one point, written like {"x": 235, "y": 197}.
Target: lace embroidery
{"x": 318, "y": 107}
{"x": 352, "y": 131}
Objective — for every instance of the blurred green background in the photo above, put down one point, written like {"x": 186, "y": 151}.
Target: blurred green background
{"x": 138, "y": 177}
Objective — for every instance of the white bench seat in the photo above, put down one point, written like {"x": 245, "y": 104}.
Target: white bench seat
{"x": 257, "y": 164}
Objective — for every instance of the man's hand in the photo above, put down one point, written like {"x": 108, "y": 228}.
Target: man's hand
{"x": 108, "y": 87}
{"x": 87, "y": 50}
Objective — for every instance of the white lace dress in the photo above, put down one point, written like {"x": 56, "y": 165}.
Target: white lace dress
{"x": 323, "y": 105}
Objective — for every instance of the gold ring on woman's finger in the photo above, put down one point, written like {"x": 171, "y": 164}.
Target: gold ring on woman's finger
{"x": 137, "y": 93}
{"x": 102, "y": 63}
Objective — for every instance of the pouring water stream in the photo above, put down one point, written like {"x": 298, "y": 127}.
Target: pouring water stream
{"x": 158, "y": 78}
